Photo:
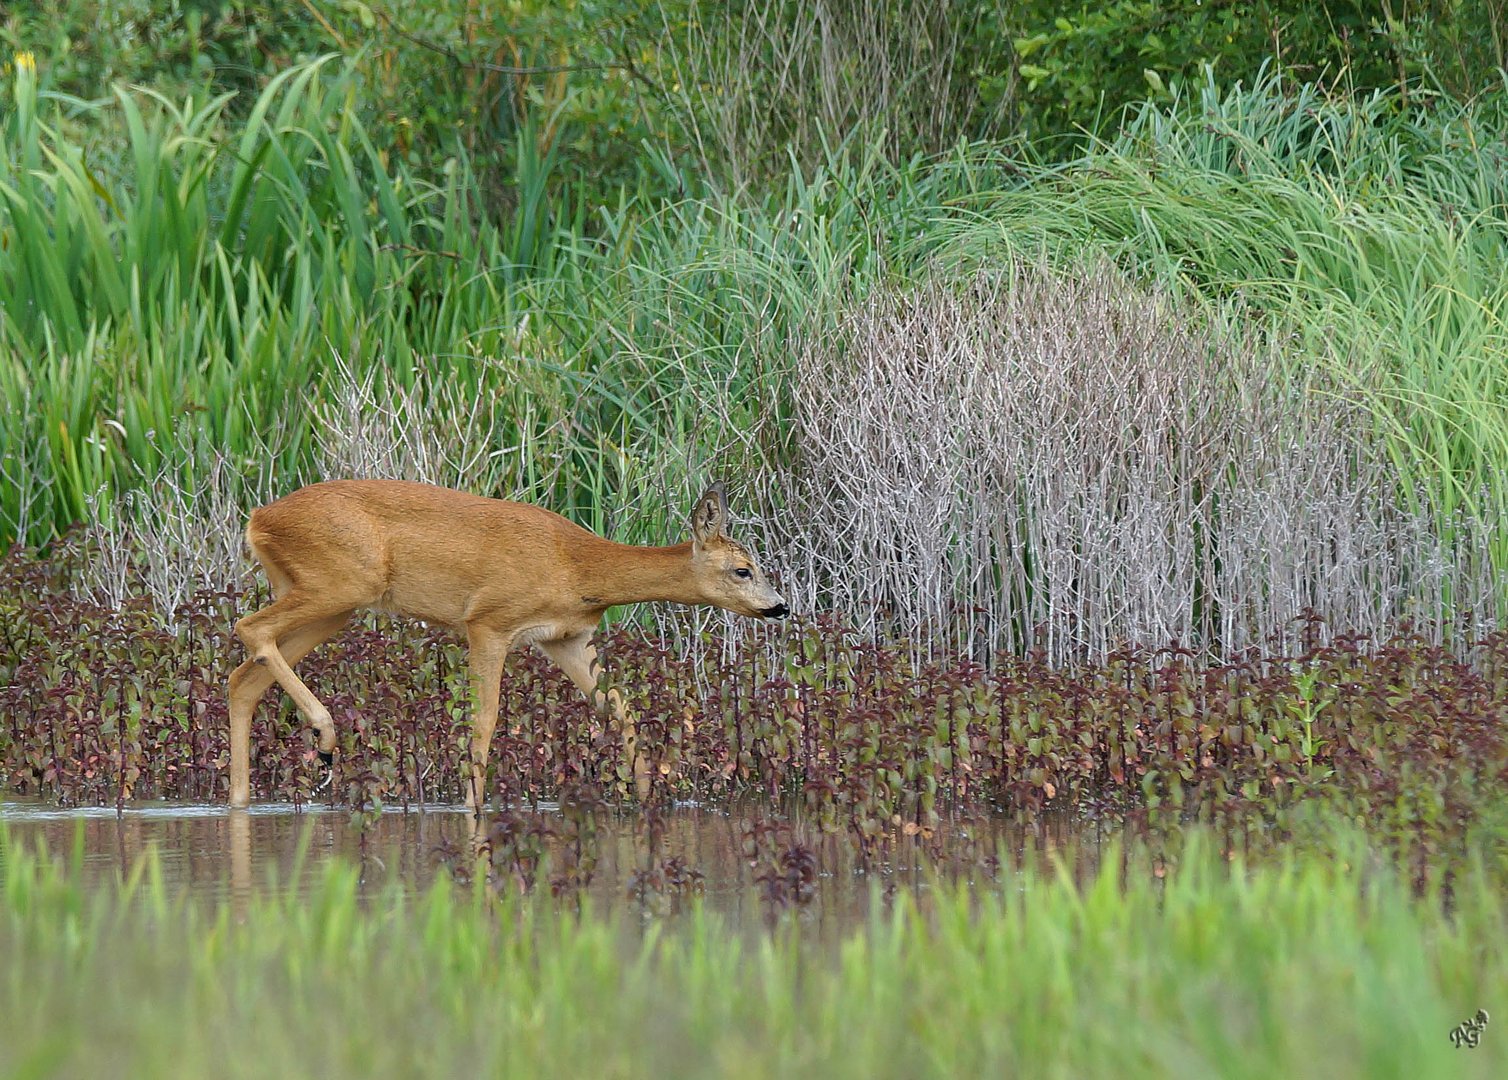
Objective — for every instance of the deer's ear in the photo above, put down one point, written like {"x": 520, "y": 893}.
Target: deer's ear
{"x": 710, "y": 518}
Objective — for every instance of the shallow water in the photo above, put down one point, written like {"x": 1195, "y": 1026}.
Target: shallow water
{"x": 214, "y": 853}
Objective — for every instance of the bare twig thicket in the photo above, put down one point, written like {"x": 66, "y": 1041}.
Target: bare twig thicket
{"x": 183, "y": 531}
{"x": 177, "y": 535}
{"x": 1073, "y": 462}
{"x": 435, "y": 431}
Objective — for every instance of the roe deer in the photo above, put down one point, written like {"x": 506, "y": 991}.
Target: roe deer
{"x": 505, "y": 573}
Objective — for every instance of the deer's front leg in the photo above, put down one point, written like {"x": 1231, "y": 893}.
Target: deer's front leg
{"x": 577, "y": 657}
{"x": 488, "y": 648}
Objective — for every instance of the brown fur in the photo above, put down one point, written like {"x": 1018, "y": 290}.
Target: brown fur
{"x": 504, "y": 573}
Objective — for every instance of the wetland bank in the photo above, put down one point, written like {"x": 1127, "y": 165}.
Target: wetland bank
{"x": 1137, "y": 496}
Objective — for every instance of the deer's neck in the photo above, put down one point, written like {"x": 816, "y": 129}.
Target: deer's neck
{"x": 615, "y": 574}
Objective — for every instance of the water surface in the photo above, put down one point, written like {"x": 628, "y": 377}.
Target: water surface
{"x": 215, "y": 853}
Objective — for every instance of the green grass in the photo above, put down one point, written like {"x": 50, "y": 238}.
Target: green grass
{"x": 1307, "y": 965}
{"x": 197, "y": 288}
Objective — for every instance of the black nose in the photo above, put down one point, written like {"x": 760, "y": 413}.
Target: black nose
{"x": 779, "y": 611}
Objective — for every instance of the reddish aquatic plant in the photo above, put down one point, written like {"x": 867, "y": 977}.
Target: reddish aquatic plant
{"x": 863, "y": 737}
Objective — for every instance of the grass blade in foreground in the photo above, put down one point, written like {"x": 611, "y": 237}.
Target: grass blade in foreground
{"x": 1312, "y": 966}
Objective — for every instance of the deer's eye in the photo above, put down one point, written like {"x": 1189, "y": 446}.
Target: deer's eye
{"x": 743, "y": 572}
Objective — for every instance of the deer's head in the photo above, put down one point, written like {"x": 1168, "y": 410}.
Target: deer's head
{"x": 726, "y": 573}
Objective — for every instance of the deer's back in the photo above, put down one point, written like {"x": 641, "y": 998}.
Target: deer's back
{"x": 415, "y": 549}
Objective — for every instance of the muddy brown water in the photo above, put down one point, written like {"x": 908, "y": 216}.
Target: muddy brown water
{"x": 214, "y": 853}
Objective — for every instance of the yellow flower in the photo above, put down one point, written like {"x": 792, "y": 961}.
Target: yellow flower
{"x": 26, "y": 61}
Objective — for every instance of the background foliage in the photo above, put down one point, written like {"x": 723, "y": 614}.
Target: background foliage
{"x": 595, "y": 254}
{"x": 610, "y": 83}
{"x": 1081, "y": 65}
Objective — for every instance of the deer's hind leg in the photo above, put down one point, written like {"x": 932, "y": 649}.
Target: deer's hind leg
{"x": 247, "y": 685}
{"x": 577, "y": 657}
{"x": 287, "y": 616}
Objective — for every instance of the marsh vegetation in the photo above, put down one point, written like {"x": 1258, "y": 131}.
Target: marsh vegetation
{"x": 1117, "y": 397}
